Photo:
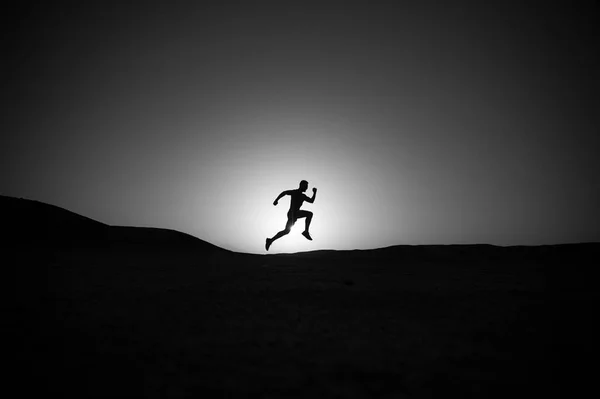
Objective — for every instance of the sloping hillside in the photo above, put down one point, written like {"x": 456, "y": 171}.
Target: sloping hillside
{"x": 34, "y": 224}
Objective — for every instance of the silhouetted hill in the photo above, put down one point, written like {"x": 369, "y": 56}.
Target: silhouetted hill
{"x": 151, "y": 320}
{"x": 34, "y": 224}
{"x": 26, "y": 221}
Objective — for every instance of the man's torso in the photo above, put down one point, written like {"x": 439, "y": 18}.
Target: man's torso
{"x": 297, "y": 198}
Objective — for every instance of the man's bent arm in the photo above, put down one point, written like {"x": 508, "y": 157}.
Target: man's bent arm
{"x": 311, "y": 200}
{"x": 280, "y": 195}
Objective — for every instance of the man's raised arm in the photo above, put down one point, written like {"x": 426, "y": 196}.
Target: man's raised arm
{"x": 279, "y": 197}
{"x": 311, "y": 200}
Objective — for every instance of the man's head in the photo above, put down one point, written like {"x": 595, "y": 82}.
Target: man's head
{"x": 303, "y": 186}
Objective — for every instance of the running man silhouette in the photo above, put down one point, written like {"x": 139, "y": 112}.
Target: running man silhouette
{"x": 295, "y": 213}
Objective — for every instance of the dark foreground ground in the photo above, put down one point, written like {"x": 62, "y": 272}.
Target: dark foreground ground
{"x": 125, "y": 318}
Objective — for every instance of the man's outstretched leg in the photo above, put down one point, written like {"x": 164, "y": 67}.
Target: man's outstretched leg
{"x": 283, "y": 232}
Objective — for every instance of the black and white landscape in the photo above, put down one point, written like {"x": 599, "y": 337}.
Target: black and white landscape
{"x": 455, "y": 239}
{"x": 92, "y": 310}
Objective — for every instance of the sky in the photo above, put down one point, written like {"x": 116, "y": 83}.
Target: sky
{"x": 419, "y": 122}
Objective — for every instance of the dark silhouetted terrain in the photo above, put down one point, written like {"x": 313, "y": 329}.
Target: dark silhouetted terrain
{"x": 92, "y": 310}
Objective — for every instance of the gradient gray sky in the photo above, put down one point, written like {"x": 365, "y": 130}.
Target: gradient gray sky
{"x": 419, "y": 122}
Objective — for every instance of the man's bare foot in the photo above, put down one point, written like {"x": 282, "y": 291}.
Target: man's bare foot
{"x": 268, "y": 243}
{"x": 307, "y": 235}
